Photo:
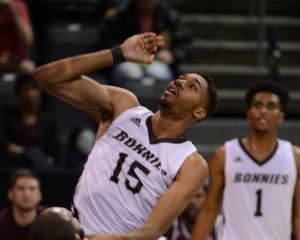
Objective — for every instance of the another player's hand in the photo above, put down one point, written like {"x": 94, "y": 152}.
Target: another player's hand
{"x": 141, "y": 48}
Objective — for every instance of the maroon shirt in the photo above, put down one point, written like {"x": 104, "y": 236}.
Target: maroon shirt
{"x": 9, "y": 230}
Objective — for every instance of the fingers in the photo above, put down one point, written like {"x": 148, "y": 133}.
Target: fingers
{"x": 147, "y": 34}
{"x": 150, "y": 40}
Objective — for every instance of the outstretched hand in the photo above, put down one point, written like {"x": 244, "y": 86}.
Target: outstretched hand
{"x": 141, "y": 48}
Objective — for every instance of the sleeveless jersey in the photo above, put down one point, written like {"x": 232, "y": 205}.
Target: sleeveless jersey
{"x": 126, "y": 174}
{"x": 257, "y": 198}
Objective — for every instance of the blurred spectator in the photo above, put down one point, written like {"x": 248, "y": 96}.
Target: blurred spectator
{"x": 139, "y": 16}
{"x": 15, "y": 35}
{"x": 27, "y": 135}
{"x": 82, "y": 138}
{"x": 25, "y": 194}
{"x": 183, "y": 225}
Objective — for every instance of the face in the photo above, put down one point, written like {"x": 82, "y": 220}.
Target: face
{"x": 68, "y": 216}
{"x": 146, "y": 6}
{"x": 195, "y": 206}
{"x": 265, "y": 114}
{"x": 25, "y": 194}
{"x": 185, "y": 97}
{"x": 29, "y": 95}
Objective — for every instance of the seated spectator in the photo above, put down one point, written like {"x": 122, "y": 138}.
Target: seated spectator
{"x": 139, "y": 16}
{"x": 25, "y": 194}
{"x": 82, "y": 139}
{"x": 27, "y": 135}
{"x": 16, "y": 35}
{"x": 183, "y": 225}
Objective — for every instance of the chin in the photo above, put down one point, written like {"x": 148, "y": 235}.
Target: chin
{"x": 164, "y": 103}
{"x": 27, "y": 207}
{"x": 262, "y": 129}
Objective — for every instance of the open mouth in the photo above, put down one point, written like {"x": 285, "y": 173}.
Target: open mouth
{"x": 173, "y": 89}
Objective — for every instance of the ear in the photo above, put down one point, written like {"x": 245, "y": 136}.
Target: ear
{"x": 10, "y": 195}
{"x": 200, "y": 113}
{"x": 281, "y": 117}
{"x": 77, "y": 237}
{"x": 40, "y": 196}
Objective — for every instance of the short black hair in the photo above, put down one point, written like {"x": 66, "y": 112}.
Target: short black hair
{"x": 22, "y": 79}
{"x": 50, "y": 226}
{"x": 22, "y": 172}
{"x": 213, "y": 99}
{"x": 271, "y": 87}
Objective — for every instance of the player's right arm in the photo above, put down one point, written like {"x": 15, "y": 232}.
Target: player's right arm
{"x": 64, "y": 78}
{"x": 296, "y": 200}
{"x": 211, "y": 207}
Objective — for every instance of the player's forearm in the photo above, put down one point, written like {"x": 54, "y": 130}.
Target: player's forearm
{"x": 138, "y": 234}
{"x": 204, "y": 224}
{"x": 52, "y": 74}
{"x": 143, "y": 234}
{"x": 24, "y": 32}
{"x": 296, "y": 228}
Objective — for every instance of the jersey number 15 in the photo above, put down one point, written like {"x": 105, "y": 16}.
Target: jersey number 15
{"x": 135, "y": 164}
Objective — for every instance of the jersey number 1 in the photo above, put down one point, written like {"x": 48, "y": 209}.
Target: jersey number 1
{"x": 258, "y": 212}
{"x": 135, "y": 164}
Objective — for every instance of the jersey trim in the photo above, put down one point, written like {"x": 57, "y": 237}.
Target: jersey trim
{"x": 152, "y": 140}
{"x": 260, "y": 163}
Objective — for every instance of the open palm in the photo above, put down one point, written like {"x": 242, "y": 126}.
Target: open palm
{"x": 140, "y": 48}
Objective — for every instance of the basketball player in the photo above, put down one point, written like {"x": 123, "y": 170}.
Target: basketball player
{"x": 257, "y": 176}
{"x": 141, "y": 172}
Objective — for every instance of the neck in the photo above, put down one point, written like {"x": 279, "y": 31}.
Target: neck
{"x": 167, "y": 127}
{"x": 260, "y": 145}
{"x": 263, "y": 139}
{"x": 24, "y": 218}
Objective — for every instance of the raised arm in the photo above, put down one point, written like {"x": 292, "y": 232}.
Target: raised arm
{"x": 189, "y": 180}
{"x": 64, "y": 78}
{"x": 208, "y": 214}
{"x": 296, "y": 201}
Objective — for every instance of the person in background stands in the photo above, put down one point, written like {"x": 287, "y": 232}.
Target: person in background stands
{"x": 82, "y": 138}
{"x": 139, "y": 16}
{"x": 183, "y": 225}
{"x": 25, "y": 194}
{"x": 16, "y": 35}
{"x": 27, "y": 135}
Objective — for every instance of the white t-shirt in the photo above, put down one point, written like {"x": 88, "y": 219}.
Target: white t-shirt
{"x": 126, "y": 174}
{"x": 258, "y": 196}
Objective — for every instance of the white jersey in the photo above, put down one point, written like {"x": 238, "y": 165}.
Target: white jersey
{"x": 258, "y": 196}
{"x": 126, "y": 174}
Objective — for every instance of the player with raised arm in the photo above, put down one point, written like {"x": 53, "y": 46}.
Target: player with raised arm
{"x": 257, "y": 177}
{"x": 141, "y": 172}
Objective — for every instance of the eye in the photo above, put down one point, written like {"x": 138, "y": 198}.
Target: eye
{"x": 193, "y": 87}
{"x": 257, "y": 105}
{"x": 271, "y": 107}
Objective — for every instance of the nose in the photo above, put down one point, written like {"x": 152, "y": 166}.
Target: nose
{"x": 31, "y": 93}
{"x": 263, "y": 109}
{"x": 180, "y": 82}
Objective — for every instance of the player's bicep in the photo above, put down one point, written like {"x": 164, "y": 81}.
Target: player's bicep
{"x": 217, "y": 179}
{"x": 189, "y": 180}
{"x": 83, "y": 93}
